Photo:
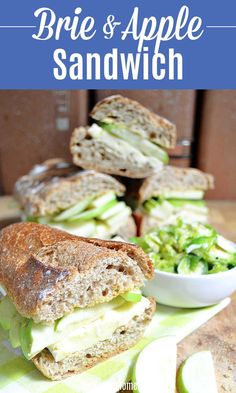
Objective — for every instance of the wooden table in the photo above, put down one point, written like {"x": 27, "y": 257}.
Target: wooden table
{"x": 217, "y": 335}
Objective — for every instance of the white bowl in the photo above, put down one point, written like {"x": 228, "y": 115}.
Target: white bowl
{"x": 180, "y": 290}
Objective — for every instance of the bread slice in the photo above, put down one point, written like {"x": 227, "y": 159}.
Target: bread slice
{"x": 47, "y": 272}
{"x": 56, "y": 185}
{"x": 172, "y": 178}
{"x": 121, "y": 110}
{"x": 107, "y": 157}
{"x": 122, "y": 339}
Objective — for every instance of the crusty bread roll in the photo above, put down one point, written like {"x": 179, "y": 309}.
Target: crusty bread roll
{"x": 175, "y": 178}
{"x": 122, "y": 110}
{"x": 114, "y": 155}
{"x": 47, "y": 273}
{"x": 56, "y": 185}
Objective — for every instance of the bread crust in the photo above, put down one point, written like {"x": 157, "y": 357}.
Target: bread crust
{"x": 32, "y": 268}
{"x": 95, "y": 154}
{"x": 130, "y": 335}
{"x": 56, "y": 185}
{"x": 138, "y": 118}
{"x": 177, "y": 179}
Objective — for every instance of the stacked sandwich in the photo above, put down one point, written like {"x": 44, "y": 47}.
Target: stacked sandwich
{"x": 173, "y": 194}
{"x": 83, "y": 203}
{"x": 71, "y": 302}
{"x": 125, "y": 139}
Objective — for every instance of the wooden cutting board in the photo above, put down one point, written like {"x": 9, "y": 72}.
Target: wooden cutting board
{"x": 217, "y": 335}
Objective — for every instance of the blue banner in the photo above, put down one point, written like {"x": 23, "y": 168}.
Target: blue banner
{"x": 71, "y": 44}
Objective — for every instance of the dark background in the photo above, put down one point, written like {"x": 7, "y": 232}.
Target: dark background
{"x": 36, "y": 125}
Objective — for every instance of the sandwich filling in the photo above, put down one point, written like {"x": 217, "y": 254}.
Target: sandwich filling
{"x": 74, "y": 332}
{"x": 173, "y": 205}
{"x": 113, "y": 133}
{"x": 97, "y": 216}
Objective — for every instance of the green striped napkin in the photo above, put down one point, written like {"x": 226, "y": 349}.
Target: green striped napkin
{"x": 20, "y": 376}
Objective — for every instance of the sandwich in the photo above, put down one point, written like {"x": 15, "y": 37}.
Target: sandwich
{"x": 84, "y": 203}
{"x": 71, "y": 302}
{"x": 125, "y": 139}
{"x": 172, "y": 194}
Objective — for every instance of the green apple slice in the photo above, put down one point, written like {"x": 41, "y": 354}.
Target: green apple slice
{"x": 35, "y": 337}
{"x": 85, "y": 229}
{"x": 119, "y": 219}
{"x": 93, "y": 213}
{"x": 119, "y": 207}
{"x": 147, "y": 147}
{"x": 156, "y": 367}
{"x": 197, "y": 375}
{"x": 184, "y": 202}
{"x": 14, "y": 332}
{"x": 133, "y": 296}
{"x": 7, "y": 313}
{"x": 74, "y": 210}
{"x": 81, "y": 316}
{"x": 103, "y": 199}
{"x": 177, "y": 194}
{"x": 102, "y": 230}
{"x": 159, "y": 210}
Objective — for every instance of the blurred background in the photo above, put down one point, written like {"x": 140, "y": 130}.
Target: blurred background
{"x": 36, "y": 125}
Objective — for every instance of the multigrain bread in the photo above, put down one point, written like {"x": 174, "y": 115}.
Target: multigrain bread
{"x": 122, "y": 110}
{"x": 47, "y": 272}
{"x": 122, "y": 339}
{"x": 113, "y": 155}
{"x": 174, "y": 178}
{"x": 56, "y": 185}
{"x": 105, "y": 156}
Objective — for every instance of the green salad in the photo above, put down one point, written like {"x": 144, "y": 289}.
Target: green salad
{"x": 188, "y": 249}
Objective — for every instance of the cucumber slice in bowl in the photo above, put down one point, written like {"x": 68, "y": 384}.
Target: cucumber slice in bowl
{"x": 226, "y": 244}
{"x": 197, "y": 375}
{"x": 191, "y": 265}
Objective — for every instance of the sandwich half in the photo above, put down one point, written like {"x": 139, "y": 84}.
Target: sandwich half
{"x": 171, "y": 194}
{"x": 80, "y": 202}
{"x": 71, "y": 302}
{"x": 125, "y": 139}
